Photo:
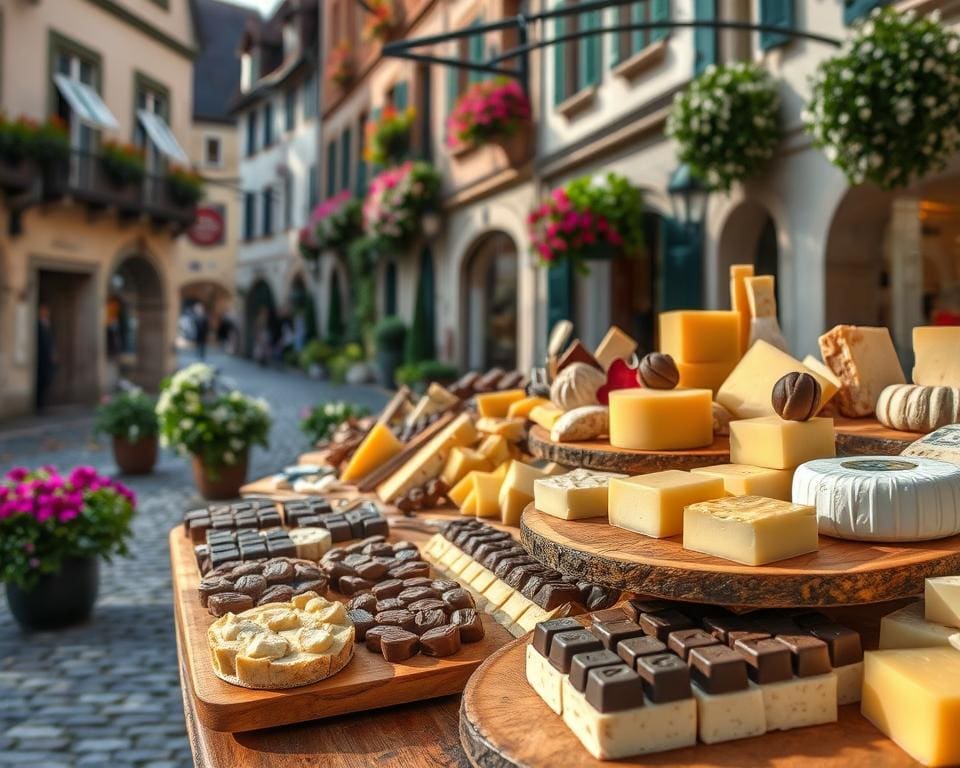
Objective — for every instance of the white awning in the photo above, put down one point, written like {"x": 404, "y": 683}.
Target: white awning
{"x": 85, "y": 103}
{"x": 161, "y": 136}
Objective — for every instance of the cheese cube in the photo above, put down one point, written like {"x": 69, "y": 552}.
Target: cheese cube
{"x": 738, "y": 300}
{"x": 496, "y": 449}
{"x": 907, "y": 628}
{"x": 486, "y": 486}
{"x": 942, "y": 599}
{"x": 497, "y": 404}
{"x": 638, "y": 731}
{"x": 729, "y": 716}
{"x": 661, "y": 419}
{"x": 769, "y": 441}
{"x": 469, "y": 506}
{"x": 545, "y": 415}
{"x": 865, "y": 360}
{"x": 544, "y": 679}
{"x": 458, "y": 494}
{"x": 616, "y": 345}
{"x": 800, "y": 702}
{"x": 574, "y": 496}
{"x": 749, "y": 480}
{"x": 379, "y": 446}
{"x": 849, "y": 683}
{"x": 937, "y": 353}
{"x": 913, "y": 696}
{"x": 517, "y": 489}
{"x": 653, "y": 504}
{"x": 700, "y": 336}
{"x": 461, "y": 462}
{"x": 512, "y": 429}
{"x": 521, "y": 409}
{"x": 704, "y": 375}
{"x": 750, "y": 529}
{"x": 747, "y": 390}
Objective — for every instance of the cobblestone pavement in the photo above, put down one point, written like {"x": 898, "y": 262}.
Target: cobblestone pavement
{"x": 107, "y": 693}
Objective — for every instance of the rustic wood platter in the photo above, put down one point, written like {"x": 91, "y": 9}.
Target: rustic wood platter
{"x": 840, "y": 573}
{"x": 505, "y": 724}
{"x": 368, "y": 681}
{"x": 868, "y": 437}
{"x": 600, "y": 455}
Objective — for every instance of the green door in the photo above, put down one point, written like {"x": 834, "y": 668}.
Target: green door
{"x": 559, "y": 293}
{"x": 681, "y": 269}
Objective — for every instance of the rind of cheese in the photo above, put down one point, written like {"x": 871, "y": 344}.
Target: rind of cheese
{"x": 379, "y": 446}
{"x": 761, "y": 295}
{"x": 497, "y": 404}
{"x": 937, "y": 355}
{"x": 865, "y": 360}
{"x": 583, "y": 423}
{"x": 907, "y": 628}
{"x": 942, "y": 444}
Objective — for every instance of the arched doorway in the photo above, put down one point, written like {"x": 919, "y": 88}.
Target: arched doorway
{"x": 303, "y": 312}
{"x": 260, "y": 315}
{"x": 136, "y": 343}
{"x": 390, "y": 288}
{"x": 489, "y": 293}
{"x": 217, "y": 301}
{"x": 749, "y": 236}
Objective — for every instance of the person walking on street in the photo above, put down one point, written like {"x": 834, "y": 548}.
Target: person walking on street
{"x": 46, "y": 357}
{"x": 201, "y": 328}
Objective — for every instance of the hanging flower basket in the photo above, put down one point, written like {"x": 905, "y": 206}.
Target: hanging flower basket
{"x": 341, "y": 67}
{"x": 124, "y": 165}
{"x": 333, "y": 224}
{"x": 887, "y": 109}
{"x": 492, "y": 111}
{"x": 388, "y": 137}
{"x": 381, "y": 19}
{"x": 397, "y": 199}
{"x": 727, "y": 123}
{"x": 590, "y": 216}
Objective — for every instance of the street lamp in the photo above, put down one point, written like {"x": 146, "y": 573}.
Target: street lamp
{"x": 688, "y": 197}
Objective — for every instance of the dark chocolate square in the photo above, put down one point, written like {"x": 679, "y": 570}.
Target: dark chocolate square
{"x": 614, "y": 689}
{"x": 665, "y": 676}
{"x": 810, "y": 655}
{"x": 612, "y": 633}
{"x": 544, "y": 631}
{"x": 718, "y": 669}
{"x": 683, "y": 641}
{"x": 583, "y": 662}
{"x": 661, "y": 623}
{"x": 633, "y": 648}
{"x": 568, "y": 644}
{"x": 768, "y": 660}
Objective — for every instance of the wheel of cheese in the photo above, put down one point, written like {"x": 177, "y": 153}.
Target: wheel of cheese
{"x": 881, "y": 498}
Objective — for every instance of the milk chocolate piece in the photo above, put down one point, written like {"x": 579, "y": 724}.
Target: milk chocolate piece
{"x": 718, "y": 669}
{"x": 796, "y": 396}
{"x": 339, "y": 530}
{"x": 423, "y": 621}
{"x": 363, "y": 621}
{"x": 583, "y": 662}
{"x": 213, "y": 586}
{"x": 253, "y": 585}
{"x": 378, "y": 549}
{"x": 658, "y": 371}
{"x": 229, "y": 602}
{"x": 506, "y": 565}
{"x": 440, "y": 641}
{"x": 372, "y": 571}
{"x": 746, "y": 635}
{"x": 577, "y": 353}
{"x": 633, "y": 648}
{"x": 356, "y": 559}
{"x": 456, "y": 599}
{"x": 768, "y": 660}
{"x": 489, "y": 380}
{"x": 599, "y": 597}
{"x": 406, "y": 555}
{"x": 843, "y": 644}
{"x": 307, "y": 572}
{"x": 721, "y": 625}
{"x": 809, "y": 654}
{"x": 373, "y": 636}
{"x": 248, "y": 569}
{"x": 419, "y": 581}
{"x": 365, "y": 601}
{"x": 278, "y": 593}
{"x": 612, "y": 633}
{"x": 683, "y": 641}
{"x": 465, "y": 386}
{"x": 413, "y": 594}
{"x": 390, "y": 604}
{"x": 635, "y": 608}
{"x": 537, "y": 580}
{"x": 444, "y": 585}
{"x": 614, "y": 689}
{"x": 388, "y": 588}
{"x": 519, "y": 576}
{"x": 398, "y": 645}
{"x": 410, "y": 569}
{"x": 544, "y": 632}
{"x": 350, "y": 585}
{"x": 665, "y": 677}
{"x": 553, "y": 595}
{"x": 662, "y": 623}
{"x": 609, "y": 616}
{"x": 488, "y": 547}
{"x": 491, "y": 561}
{"x": 402, "y": 618}
{"x": 566, "y": 645}
{"x": 470, "y": 624}
{"x": 428, "y": 604}
{"x": 334, "y": 555}
{"x": 319, "y": 586}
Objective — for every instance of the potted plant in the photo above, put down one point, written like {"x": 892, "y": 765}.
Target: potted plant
{"x": 320, "y": 422}
{"x": 496, "y": 111}
{"x": 130, "y": 418}
{"x": 589, "y": 217}
{"x": 15, "y": 138}
{"x": 418, "y": 375}
{"x": 390, "y": 336}
{"x": 215, "y": 424}
{"x": 314, "y": 357}
{"x": 54, "y": 529}
{"x": 388, "y": 137}
{"x": 185, "y": 186}
{"x": 341, "y": 67}
{"x": 333, "y": 225}
{"x": 397, "y": 199}
{"x": 123, "y": 164}
{"x": 381, "y": 19}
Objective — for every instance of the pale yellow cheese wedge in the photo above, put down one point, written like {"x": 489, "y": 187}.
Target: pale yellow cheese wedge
{"x": 942, "y": 600}
{"x": 495, "y": 448}
{"x": 378, "y": 446}
{"x": 739, "y": 302}
{"x": 907, "y": 628}
{"x": 497, "y": 404}
{"x": 521, "y": 409}
{"x": 517, "y": 489}
{"x": 616, "y": 345}
{"x": 469, "y": 506}
{"x": 937, "y": 353}
{"x": 512, "y": 429}
{"x": 545, "y": 415}
{"x": 462, "y": 461}
{"x": 486, "y": 487}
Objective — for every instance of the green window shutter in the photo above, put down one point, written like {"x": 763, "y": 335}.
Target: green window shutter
{"x": 401, "y": 95}
{"x": 559, "y": 293}
{"x": 659, "y": 11}
{"x": 616, "y": 55}
{"x": 346, "y": 158}
{"x": 360, "y": 188}
{"x": 855, "y": 9}
{"x": 591, "y": 54}
{"x": 704, "y": 38}
{"x": 453, "y": 87}
{"x": 778, "y": 13}
{"x": 638, "y": 37}
{"x": 331, "y": 169}
{"x": 559, "y": 61}
{"x": 478, "y": 53}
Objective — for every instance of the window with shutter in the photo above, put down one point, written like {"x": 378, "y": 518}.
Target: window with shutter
{"x": 559, "y": 293}
{"x": 590, "y": 51}
{"x": 778, "y": 13}
{"x": 346, "y": 158}
{"x": 249, "y": 216}
{"x": 331, "y": 169}
{"x": 401, "y": 95}
{"x": 659, "y": 11}
{"x": 361, "y": 182}
{"x": 267, "y": 212}
{"x": 559, "y": 61}
{"x": 704, "y": 38}
{"x": 251, "y": 133}
{"x": 268, "y": 124}
{"x": 630, "y": 42}
{"x": 856, "y": 9}
{"x": 478, "y": 53}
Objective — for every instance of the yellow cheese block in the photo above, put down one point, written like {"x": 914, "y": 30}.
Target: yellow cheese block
{"x": 496, "y": 449}
{"x": 616, "y": 345}
{"x": 428, "y": 462}
{"x": 661, "y": 419}
{"x": 521, "y": 409}
{"x": 747, "y": 390}
{"x": 704, "y": 375}
{"x": 469, "y": 506}
{"x": 749, "y": 480}
{"x": 907, "y": 628}
{"x": 574, "y": 496}
{"x": 517, "y": 489}
{"x": 913, "y": 696}
{"x": 936, "y": 350}
{"x": 512, "y": 429}
{"x": 459, "y": 492}
{"x": 378, "y": 446}
{"x": 486, "y": 487}
{"x": 865, "y": 360}
{"x": 461, "y": 461}
{"x": 653, "y": 504}
{"x": 497, "y": 404}
{"x": 738, "y": 300}
{"x": 769, "y": 441}
{"x": 545, "y": 415}
{"x": 942, "y": 598}
{"x": 700, "y": 335}
{"x": 750, "y": 529}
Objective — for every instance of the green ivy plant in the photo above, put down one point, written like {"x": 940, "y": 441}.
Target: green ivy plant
{"x": 131, "y": 414}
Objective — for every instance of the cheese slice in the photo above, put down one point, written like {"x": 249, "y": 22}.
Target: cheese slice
{"x": 436, "y": 399}
{"x": 739, "y": 302}
{"x": 496, "y": 449}
{"x": 497, "y": 404}
{"x": 486, "y": 486}
{"x": 661, "y": 419}
{"x": 865, "y": 360}
{"x": 907, "y": 628}
{"x": 469, "y": 506}
{"x": 521, "y": 409}
{"x": 576, "y": 495}
{"x": 913, "y": 697}
{"x": 378, "y": 446}
{"x": 545, "y": 415}
{"x": 616, "y": 345}
{"x": 942, "y": 599}
{"x": 512, "y": 429}
{"x": 816, "y": 366}
{"x": 937, "y": 355}
{"x": 461, "y": 461}
{"x": 750, "y": 480}
{"x": 459, "y": 492}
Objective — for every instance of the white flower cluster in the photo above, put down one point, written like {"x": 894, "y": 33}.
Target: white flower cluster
{"x": 887, "y": 108}
{"x": 727, "y": 123}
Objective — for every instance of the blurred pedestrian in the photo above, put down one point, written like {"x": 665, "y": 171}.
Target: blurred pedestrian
{"x": 46, "y": 355}
{"x": 201, "y": 329}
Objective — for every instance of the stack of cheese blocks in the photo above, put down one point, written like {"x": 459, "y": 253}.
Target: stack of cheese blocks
{"x": 911, "y": 686}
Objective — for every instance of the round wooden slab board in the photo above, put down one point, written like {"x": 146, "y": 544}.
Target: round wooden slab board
{"x": 600, "y": 455}
{"x": 839, "y": 573}
{"x": 505, "y": 724}
{"x": 868, "y": 437}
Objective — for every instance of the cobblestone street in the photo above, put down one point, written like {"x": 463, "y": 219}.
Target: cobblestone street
{"x": 107, "y": 693}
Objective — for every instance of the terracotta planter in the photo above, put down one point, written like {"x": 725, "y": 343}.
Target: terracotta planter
{"x": 58, "y": 599}
{"x": 136, "y": 458}
{"x": 519, "y": 147}
{"x": 222, "y": 482}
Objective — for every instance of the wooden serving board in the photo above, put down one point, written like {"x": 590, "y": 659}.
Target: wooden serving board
{"x": 505, "y": 724}
{"x": 601, "y": 456}
{"x": 868, "y": 437}
{"x": 839, "y": 573}
{"x": 368, "y": 681}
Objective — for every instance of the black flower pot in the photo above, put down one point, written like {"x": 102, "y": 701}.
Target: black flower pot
{"x": 58, "y": 599}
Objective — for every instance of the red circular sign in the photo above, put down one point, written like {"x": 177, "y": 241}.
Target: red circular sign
{"x": 207, "y": 228}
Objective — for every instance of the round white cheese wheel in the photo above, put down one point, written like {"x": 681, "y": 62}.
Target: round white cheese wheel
{"x": 881, "y": 498}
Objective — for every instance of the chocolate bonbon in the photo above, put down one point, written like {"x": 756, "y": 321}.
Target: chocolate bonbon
{"x": 440, "y": 641}
{"x": 276, "y": 580}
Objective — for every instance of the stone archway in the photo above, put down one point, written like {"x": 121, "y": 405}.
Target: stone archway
{"x": 217, "y": 300}
{"x": 489, "y": 281}
{"x": 260, "y": 313}
{"x": 136, "y": 322}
